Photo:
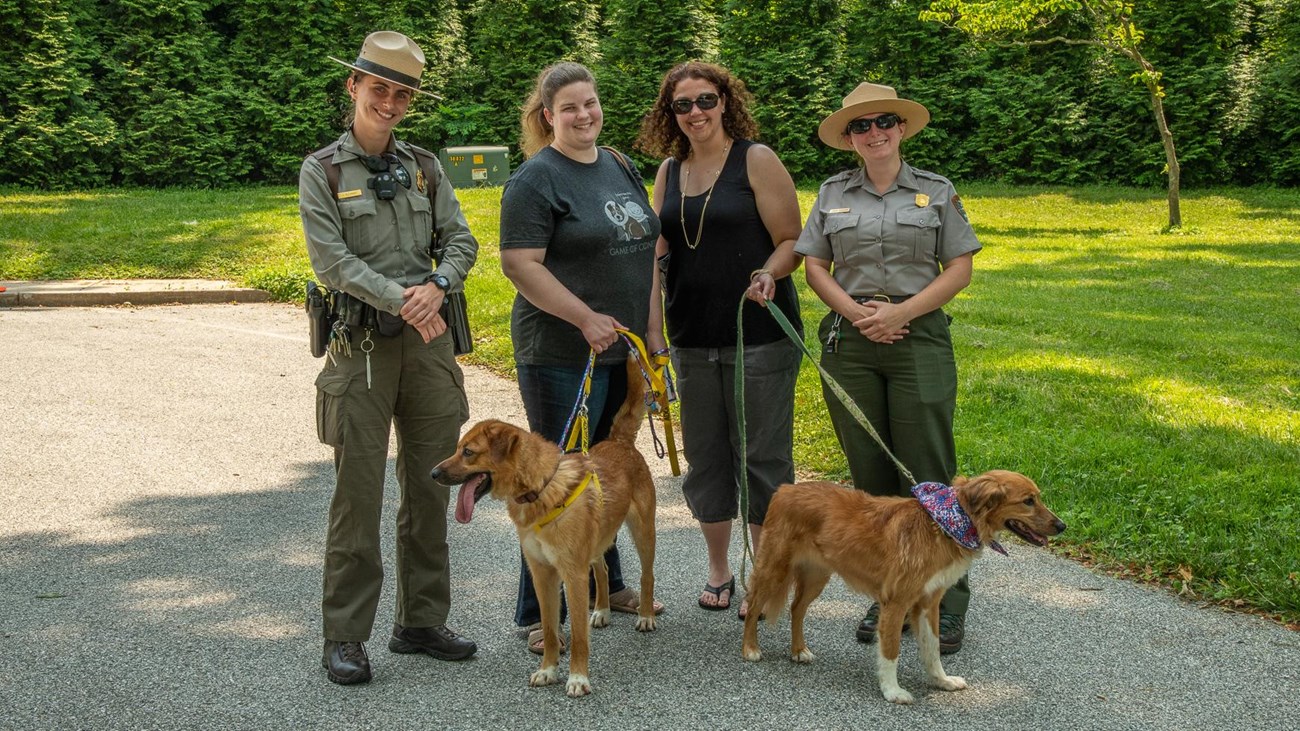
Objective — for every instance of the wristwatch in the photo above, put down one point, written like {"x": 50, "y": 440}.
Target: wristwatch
{"x": 440, "y": 281}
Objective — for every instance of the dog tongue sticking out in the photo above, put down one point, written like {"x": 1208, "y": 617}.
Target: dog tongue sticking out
{"x": 465, "y": 500}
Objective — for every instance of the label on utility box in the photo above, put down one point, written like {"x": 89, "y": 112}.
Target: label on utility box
{"x": 478, "y": 159}
{"x": 479, "y": 173}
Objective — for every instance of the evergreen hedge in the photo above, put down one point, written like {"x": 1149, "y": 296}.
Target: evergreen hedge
{"x": 222, "y": 92}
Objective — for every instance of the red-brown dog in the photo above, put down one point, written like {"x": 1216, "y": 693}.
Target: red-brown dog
{"x": 567, "y": 509}
{"x": 886, "y": 547}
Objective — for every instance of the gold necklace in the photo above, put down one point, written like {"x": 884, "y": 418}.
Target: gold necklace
{"x": 686, "y": 179}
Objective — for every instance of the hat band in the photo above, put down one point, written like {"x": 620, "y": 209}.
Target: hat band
{"x": 371, "y": 67}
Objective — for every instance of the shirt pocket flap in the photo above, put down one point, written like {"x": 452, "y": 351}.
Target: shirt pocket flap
{"x": 351, "y": 210}
{"x": 420, "y": 204}
{"x": 921, "y": 217}
{"x": 836, "y": 222}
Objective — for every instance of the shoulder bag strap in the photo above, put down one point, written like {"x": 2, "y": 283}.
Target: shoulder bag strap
{"x": 622, "y": 161}
{"x": 627, "y": 168}
{"x": 326, "y": 157}
{"x": 429, "y": 166}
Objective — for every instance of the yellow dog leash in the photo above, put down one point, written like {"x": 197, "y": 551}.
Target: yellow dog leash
{"x": 577, "y": 434}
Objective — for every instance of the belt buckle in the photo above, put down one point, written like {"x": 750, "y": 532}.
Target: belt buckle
{"x": 882, "y": 297}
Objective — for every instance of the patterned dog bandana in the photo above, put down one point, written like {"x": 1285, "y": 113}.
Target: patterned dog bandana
{"x": 940, "y": 501}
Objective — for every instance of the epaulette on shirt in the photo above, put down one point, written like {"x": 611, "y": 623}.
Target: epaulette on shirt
{"x": 935, "y": 177}
{"x": 415, "y": 150}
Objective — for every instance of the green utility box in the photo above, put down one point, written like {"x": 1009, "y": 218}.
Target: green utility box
{"x": 468, "y": 167}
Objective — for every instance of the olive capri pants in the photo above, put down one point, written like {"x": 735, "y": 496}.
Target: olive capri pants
{"x": 711, "y": 440}
{"x": 908, "y": 391}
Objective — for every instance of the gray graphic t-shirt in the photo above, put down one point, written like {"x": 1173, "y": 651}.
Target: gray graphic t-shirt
{"x": 599, "y": 232}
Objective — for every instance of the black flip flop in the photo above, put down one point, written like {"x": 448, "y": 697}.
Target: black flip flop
{"x": 729, "y": 587}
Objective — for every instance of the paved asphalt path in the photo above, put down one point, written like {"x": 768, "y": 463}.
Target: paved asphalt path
{"x": 161, "y": 529}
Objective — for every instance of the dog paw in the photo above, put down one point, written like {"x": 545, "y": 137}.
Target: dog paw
{"x": 802, "y": 656}
{"x": 897, "y": 695}
{"x": 544, "y": 676}
{"x": 577, "y": 686}
{"x": 645, "y": 624}
{"x": 753, "y": 654}
{"x": 949, "y": 682}
{"x": 600, "y": 618}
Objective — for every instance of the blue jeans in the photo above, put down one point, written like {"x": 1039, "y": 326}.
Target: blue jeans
{"x": 549, "y": 393}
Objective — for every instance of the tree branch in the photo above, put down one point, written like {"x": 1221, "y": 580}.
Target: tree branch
{"x": 1066, "y": 41}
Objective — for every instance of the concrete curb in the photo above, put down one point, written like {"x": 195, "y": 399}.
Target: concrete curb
{"x": 100, "y": 292}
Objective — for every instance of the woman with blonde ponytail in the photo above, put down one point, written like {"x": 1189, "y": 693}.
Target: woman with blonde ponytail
{"x": 577, "y": 240}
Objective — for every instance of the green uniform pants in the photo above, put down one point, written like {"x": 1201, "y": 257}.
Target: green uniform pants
{"x": 419, "y": 388}
{"x": 908, "y": 390}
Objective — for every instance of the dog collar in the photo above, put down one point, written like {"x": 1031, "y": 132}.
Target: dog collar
{"x": 940, "y": 501}
{"x": 582, "y": 487}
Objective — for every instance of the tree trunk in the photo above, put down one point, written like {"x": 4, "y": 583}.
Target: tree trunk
{"x": 1151, "y": 78}
{"x": 1171, "y": 159}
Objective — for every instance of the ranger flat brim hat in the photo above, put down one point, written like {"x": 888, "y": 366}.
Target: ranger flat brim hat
{"x": 393, "y": 57}
{"x": 870, "y": 99}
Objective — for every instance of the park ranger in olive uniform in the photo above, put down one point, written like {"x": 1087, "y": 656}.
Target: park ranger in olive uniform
{"x": 369, "y": 224}
{"x": 886, "y": 246}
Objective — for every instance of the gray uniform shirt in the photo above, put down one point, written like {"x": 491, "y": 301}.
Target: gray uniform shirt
{"x": 892, "y": 243}
{"x": 374, "y": 249}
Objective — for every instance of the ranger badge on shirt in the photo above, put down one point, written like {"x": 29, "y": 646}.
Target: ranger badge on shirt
{"x": 922, "y": 200}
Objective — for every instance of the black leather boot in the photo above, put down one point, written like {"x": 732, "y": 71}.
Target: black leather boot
{"x": 346, "y": 662}
{"x": 866, "y": 631}
{"x": 952, "y": 632}
{"x": 439, "y": 642}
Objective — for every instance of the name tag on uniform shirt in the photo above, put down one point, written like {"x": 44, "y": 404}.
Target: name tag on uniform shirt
{"x": 344, "y": 195}
{"x": 839, "y": 210}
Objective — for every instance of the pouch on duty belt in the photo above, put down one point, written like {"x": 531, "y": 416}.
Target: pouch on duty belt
{"x": 319, "y": 319}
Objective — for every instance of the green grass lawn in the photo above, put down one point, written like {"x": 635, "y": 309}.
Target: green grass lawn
{"x": 1149, "y": 382}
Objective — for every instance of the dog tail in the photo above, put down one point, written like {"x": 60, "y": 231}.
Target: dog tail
{"x": 769, "y": 591}
{"x": 627, "y": 422}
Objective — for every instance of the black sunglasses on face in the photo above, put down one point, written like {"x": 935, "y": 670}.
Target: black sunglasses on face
{"x": 704, "y": 101}
{"x": 862, "y": 126}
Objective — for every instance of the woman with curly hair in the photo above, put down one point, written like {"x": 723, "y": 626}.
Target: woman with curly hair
{"x": 730, "y": 220}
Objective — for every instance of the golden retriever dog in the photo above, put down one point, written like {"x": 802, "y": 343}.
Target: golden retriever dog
{"x": 888, "y": 548}
{"x": 567, "y": 509}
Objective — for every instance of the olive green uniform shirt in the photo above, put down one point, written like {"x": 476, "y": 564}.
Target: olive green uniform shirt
{"x": 374, "y": 249}
{"x": 892, "y": 243}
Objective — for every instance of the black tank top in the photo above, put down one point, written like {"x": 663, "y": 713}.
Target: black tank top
{"x": 705, "y": 284}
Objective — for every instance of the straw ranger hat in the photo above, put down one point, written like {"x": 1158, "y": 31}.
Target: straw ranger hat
{"x": 391, "y": 56}
{"x": 869, "y": 99}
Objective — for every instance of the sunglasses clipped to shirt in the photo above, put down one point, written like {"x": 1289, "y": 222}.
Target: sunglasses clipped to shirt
{"x": 704, "y": 101}
{"x": 863, "y": 126}
{"x": 384, "y": 163}
{"x": 389, "y": 173}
